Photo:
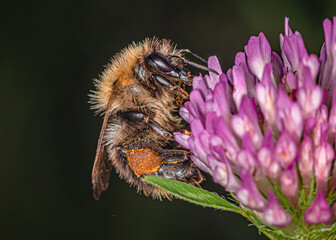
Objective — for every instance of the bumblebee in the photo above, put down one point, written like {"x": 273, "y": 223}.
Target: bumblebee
{"x": 139, "y": 91}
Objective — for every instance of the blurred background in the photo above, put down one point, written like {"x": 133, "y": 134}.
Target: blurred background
{"x": 50, "y": 53}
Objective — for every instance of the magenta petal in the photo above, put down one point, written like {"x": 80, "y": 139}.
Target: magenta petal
{"x": 292, "y": 49}
{"x": 240, "y": 89}
{"x": 288, "y": 30}
{"x": 321, "y": 119}
{"x": 332, "y": 121}
{"x": 197, "y": 99}
{"x": 196, "y": 148}
{"x": 309, "y": 66}
{"x": 274, "y": 214}
{"x": 247, "y": 160}
{"x": 213, "y": 79}
{"x": 197, "y": 103}
{"x": 277, "y": 66}
{"x": 228, "y": 92}
{"x": 285, "y": 150}
{"x": 246, "y": 121}
{"x": 250, "y": 79}
{"x": 266, "y": 95}
{"x": 196, "y": 127}
{"x": 185, "y": 113}
{"x": 323, "y": 156}
{"x": 230, "y": 144}
{"x": 224, "y": 175}
{"x": 200, "y": 84}
{"x": 309, "y": 97}
{"x": 266, "y": 158}
{"x": 221, "y": 102}
{"x": 318, "y": 211}
{"x": 246, "y": 157}
{"x": 270, "y": 165}
{"x": 289, "y": 81}
{"x": 194, "y": 142}
{"x": 289, "y": 116}
{"x": 332, "y": 116}
{"x": 258, "y": 52}
{"x": 249, "y": 194}
{"x": 289, "y": 181}
{"x": 214, "y": 64}
{"x": 201, "y": 165}
{"x": 328, "y": 59}
{"x": 306, "y": 161}
{"x": 182, "y": 139}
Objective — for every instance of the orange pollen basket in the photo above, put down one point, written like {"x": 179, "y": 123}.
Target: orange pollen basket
{"x": 143, "y": 161}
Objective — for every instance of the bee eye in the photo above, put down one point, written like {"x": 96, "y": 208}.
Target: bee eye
{"x": 156, "y": 61}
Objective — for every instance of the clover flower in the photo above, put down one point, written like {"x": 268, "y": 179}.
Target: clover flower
{"x": 265, "y": 130}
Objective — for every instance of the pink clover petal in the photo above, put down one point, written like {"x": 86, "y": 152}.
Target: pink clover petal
{"x": 285, "y": 150}
{"x": 289, "y": 116}
{"x": 319, "y": 211}
{"x": 221, "y": 102}
{"x": 266, "y": 159}
{"x": 323, "y": 156}
{"x": 249, "y": 194}
{"x": 200, "y": 85}
{"x": 332, "y": 115}
{"x": 246, "y": 121}
{"x": 289, "y": 81}
{"x": 214, "y": 64}
{"x": 201, "y": 165}
{"x": 309, "y": 98}
{"x": 310, "y": 65}
{"x": 306, "y": 161}
{"x": 194, "y": 145}
{"x": 238, "y": 78}
{"x": 196, "y": 127}
{"x": 246, "y": 158}
{"x": 230, "y": 144}
{"x": 250, "y": 79}
{"x": 270, "y": 165}
{"x": 293, "y": 50}
{"x": 227, "y": 144}
{"x": 182, "y": 139}
{"x": 266, "y": 95}
{"x": 328, "y": 68}
{"x": 186, "y": 114}
{"x": 224, "y": 175}
{"x": 277, "y": 66}
{"x": 258, "y": 52}
{"x": 321, "y": 119}
{"x": 289, "y": 181}
{"x": 274, "y": 214}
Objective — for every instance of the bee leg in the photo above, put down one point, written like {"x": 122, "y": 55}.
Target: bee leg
{"x": 169, "y": 84}
{"x": 138, "y": 116}
{"x": 130, "y": 142}
{"x": 171, "y": 156}
{"x": 180, "y": 92}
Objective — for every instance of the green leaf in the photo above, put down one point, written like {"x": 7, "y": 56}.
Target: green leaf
{"x": 191, "y": 193}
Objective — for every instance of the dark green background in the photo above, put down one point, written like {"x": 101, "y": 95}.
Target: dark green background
{"x": 50, "y": 52}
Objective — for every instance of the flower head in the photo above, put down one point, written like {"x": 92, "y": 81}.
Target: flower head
{"x": 268, "y": 123}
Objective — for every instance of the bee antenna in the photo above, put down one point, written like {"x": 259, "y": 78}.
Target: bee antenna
{"x": 196, "y": 65}
{"x": 195, "y": 55}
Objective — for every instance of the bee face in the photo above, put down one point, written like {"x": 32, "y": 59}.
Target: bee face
{"x": 138, "y": 92}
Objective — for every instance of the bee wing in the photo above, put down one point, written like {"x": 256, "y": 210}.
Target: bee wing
{"x": 102, "y": 167}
